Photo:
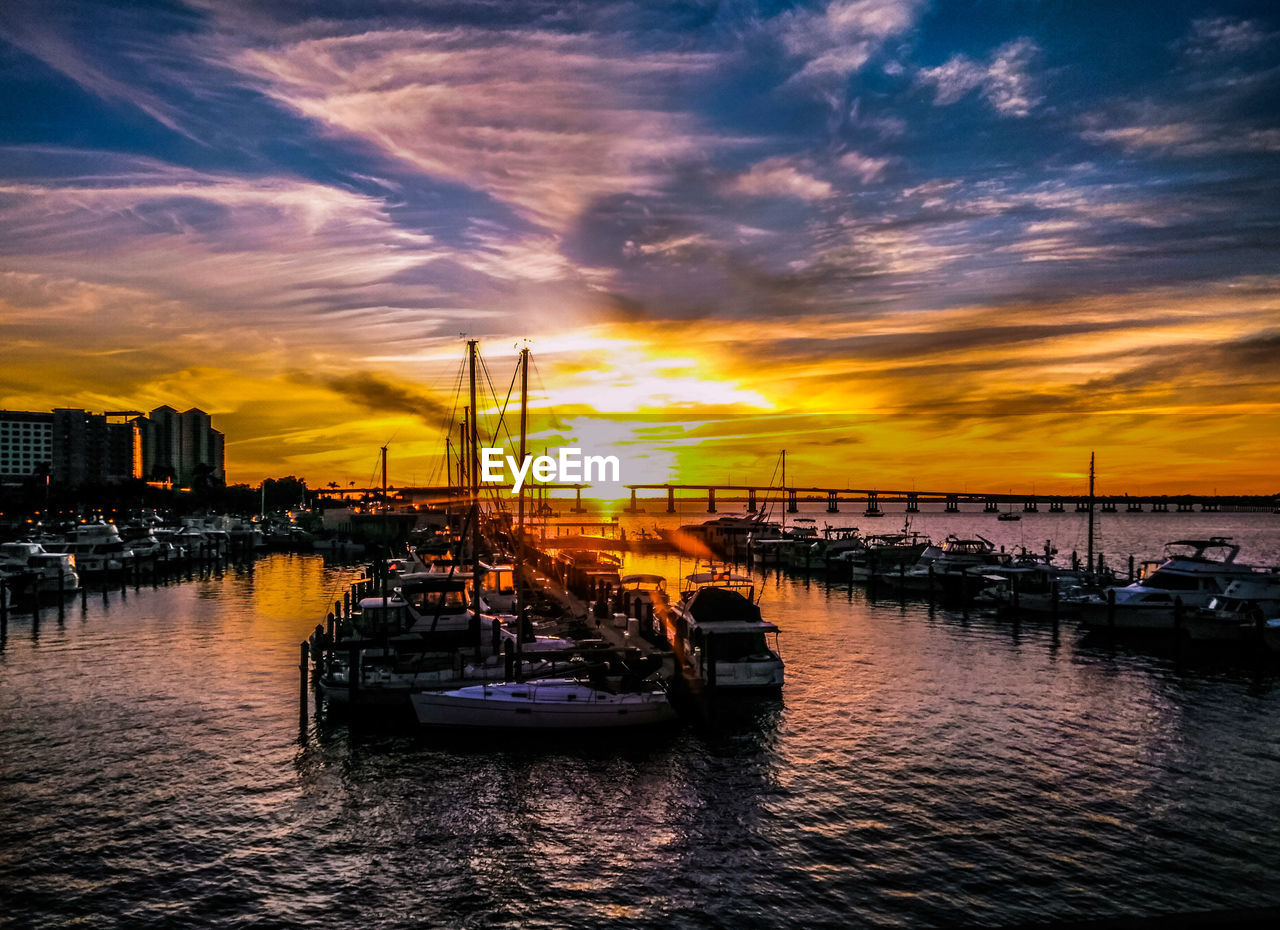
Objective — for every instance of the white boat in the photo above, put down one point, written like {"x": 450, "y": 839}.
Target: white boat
{"x": 98, "y": 548}
{"x": 213, "y": 531}
{"x": 717, "y": 629}
{"x": 37, "y": 569}
{"x": 545, "y": 704}
{"x": 956, "y": 569}
{"x": 1234, "y": 614}
{"x": 1193, "y": 572}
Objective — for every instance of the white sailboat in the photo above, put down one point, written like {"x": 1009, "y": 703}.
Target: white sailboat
{"x": 547, "y": 704}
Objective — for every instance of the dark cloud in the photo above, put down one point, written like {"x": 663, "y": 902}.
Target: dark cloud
{"x": 368, "y": 390}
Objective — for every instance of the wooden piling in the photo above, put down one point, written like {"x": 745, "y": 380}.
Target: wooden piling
{"x": 1111, "y": 609}
{"x": 304, "y": 663}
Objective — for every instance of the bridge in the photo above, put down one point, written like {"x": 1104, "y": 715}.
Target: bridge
{"x": 870, "y": 499}
{"x": 992, "y": 502}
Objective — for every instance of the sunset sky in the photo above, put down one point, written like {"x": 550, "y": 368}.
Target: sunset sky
{"x": 942, "y": 244}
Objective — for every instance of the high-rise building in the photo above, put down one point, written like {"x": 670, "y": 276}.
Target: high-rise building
{"x": 26, "y": 444}
{"x": 76, "y": 448}
{"x": 181, "y": 447}
{"x": 161, "y": 444}
{"x": 92, "y": 448}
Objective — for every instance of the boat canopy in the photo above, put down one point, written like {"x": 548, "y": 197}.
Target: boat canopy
{"x": 724, "y": 577}
{"x": 643, "y": 579}
{"x": 716, "y": 605}
{"x": 1200, "y": 545}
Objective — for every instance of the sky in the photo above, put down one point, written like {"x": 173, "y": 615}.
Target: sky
{"x": 941, "y": 245}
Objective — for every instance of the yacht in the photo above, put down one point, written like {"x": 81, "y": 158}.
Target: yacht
{"x": 1193, "y": 571}
{"x": 880, "y": 552}
{"x": 98, "y": 548}
{"x": 38, "y": 570}
{"x": 717, "y": 629}
{"x": 954, "y": 569}
{"x": 1234, "y": 614}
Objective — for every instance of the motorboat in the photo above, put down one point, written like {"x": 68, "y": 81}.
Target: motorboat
{"x": 720, "y": 635}
{"x": 98, "y": 548}
{"x": 881, "y": 552}
{"x": 38, "y": 570}
{"x": 954, "y": 569}
{"x": 1191, "y": 574}
{"x": 545, "y": 704}
{"x": 1234, "y": 614}
{"x": 647, "y": 602}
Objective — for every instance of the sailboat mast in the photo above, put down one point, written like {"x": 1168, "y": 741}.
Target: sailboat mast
{"x": 464, "y": 436}
{"x": 517, "y": 576}
{"x": 384, "y": 478}
{"x": 1089, "y": 556}
{"x": 474, "y": 469}
{"x": 786, "y": 501}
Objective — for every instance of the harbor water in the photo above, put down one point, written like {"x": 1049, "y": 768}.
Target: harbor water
{"x": 923, "y": 767}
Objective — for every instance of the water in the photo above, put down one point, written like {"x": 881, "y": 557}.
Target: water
{"x": 921, "y": 769}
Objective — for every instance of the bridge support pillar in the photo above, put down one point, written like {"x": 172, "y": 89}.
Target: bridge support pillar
{"x": 633, "y": 507}
{"x": 873, "y": 505}
{"x": 833, "y": 502}
{"x": 1133, "y": 507}
{"x": 793, "y": 505}
{"x": 671, "y": 500}
{"x": 577, "y": 504}
{"x": 1056, "y": 507}
{"x": 1031, "y": 506}
{"x": 913, "y": 503}
{"x": 991, "y": 506}
{"x": 1108, "y": 506}
{"x": 751, "y": 500}
{"x": 1082, "y": 506}
{"x": 953, "y": 504}
{"x": 711, "y": 500}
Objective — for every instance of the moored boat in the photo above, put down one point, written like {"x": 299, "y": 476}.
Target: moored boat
{"x": 1192, "y": 573}
{"x": 546, "y": 704}
{"x": 721, "y": 637}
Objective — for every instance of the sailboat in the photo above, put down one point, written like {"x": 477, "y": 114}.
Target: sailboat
{"x": 545, "y": 704}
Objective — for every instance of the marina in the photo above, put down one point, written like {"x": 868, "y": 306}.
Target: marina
{"x": 1018, "y": 770}
{"x": 790, "y": 465}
